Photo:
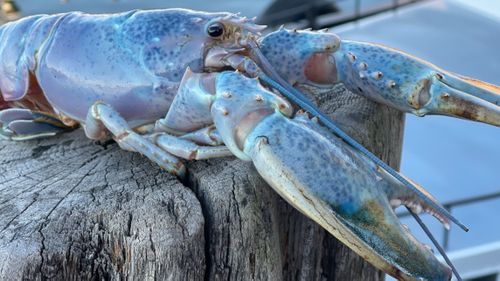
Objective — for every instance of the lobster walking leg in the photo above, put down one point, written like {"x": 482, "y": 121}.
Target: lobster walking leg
{"x": 103, "y": 117}
{"x": 206, "y": 136}
{"x": 189, "y": 150}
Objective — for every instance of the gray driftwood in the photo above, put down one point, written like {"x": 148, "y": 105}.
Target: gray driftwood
{"x": 74, "y": 209}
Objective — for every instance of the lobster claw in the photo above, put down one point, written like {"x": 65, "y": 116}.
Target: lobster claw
{"x": 347, "y": 198}
{"x": 461, "y": 97}
{"x": 412, "y": 85}
{"x": 324, "y": 178}
{"x": 382, "y": 74}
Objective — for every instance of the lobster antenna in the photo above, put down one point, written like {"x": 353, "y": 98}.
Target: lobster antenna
{"x": 436, "y": 243}
{"x": 299, "y": 99}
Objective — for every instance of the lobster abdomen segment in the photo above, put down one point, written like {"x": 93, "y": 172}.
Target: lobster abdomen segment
{"x": 19, "y": 44}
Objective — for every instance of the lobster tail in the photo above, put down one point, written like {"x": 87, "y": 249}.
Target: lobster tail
{"x": 19, "y": 44}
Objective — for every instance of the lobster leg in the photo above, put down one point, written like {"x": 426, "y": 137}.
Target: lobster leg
{"x": 187, "y": 131}
{"x": 102, "y": 118}
{"x": 315, "y": 171}
{"x": 207, "y": 136}
{"x": 23, "y": 124}
{"x": 188, "y": 149}
{"x": 324, "y": 178}
{"x": 382, "y": 74}
{"x": 412, "y": 85}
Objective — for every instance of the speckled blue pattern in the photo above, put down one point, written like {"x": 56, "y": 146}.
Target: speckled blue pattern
{"x": 381, "y": 73}
{"x": 132, "y": 61}
{"x": 113, "y": 58}
{"x": 300, "y": 154}
{"x": 385, "y": 75}
{"x": 237, "y": 97}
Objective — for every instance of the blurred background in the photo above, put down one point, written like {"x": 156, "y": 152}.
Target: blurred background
{"x": 457, "y": 161}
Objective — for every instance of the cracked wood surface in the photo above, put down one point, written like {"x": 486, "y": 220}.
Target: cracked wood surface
{"x": 74, "y": 209}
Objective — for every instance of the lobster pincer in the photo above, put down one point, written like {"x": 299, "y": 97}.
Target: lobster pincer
{"x": 383, "y": 74}
{"x": 314, "y": 170}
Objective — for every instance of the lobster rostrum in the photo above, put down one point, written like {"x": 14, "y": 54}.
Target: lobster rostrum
{"x": 163, "y": 83}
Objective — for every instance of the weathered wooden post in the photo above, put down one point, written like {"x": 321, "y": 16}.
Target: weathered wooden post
{"x": 72, "y": 209}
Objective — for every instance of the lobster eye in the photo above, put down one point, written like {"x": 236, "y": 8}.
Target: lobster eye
{"x": 215, "y": 30}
